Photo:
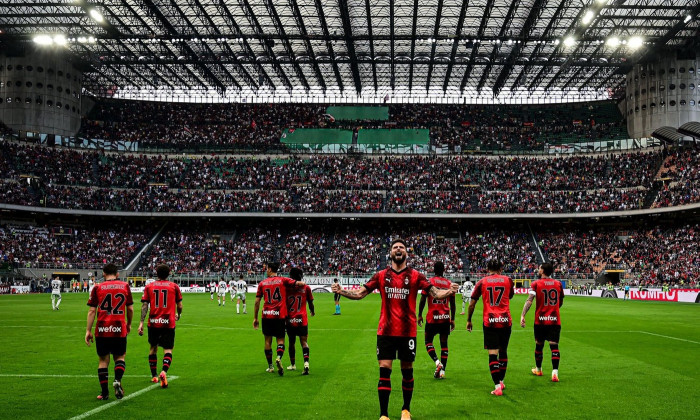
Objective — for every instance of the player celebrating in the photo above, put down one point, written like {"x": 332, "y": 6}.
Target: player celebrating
{"x": 107, "y": 302}
{"x": 297, "y": 321}
{"x": 221, "y": 295}
{"x": 241, "y": 289}
{"x": 549, "y": 295}
{"x": 55, "y": 293}
{"x": 165, "y": 302}
{"x": 441, "y": 320}
{"x": 497, "y": 291}
{"x": 274, "y": 290}
{"x": 398, "y": 286}
{"x": 465, "y": 289}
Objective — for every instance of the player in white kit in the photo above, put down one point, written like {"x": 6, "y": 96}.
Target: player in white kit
{"x": 232, "y": 289}
{"x": 55, "y": 293}
{"x": 221, "y": 293}
{"x": 241, "y": 289}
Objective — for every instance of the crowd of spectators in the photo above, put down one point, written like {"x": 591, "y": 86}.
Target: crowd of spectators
{"x": 70, "y": 247}
{"x": 184, "y": 250}
{"x": 258, "y": 127}
{"x": 513, "y": 248}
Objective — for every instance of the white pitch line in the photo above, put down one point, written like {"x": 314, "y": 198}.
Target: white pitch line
{"x": 113, "y": 403}
{"x": 40, "y": 375}
{"x": 667, "y": 336}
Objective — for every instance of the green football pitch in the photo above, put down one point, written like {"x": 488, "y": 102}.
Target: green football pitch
{"x": 620, "y": 359}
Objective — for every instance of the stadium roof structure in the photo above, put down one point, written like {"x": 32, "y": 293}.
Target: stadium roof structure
{"x": 455, "y": 51}
{"x": 691, "y": 129}
{"x": 667, "y": 134}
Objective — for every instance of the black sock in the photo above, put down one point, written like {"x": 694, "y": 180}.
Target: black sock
{"x": 407, "y": 387}
{"x": 431, "y": 351}
{"x": 538, "y": 355}
{"x": 167, "y": 360}
{"x": 119, "y": 367}
{"x": 555, "y": 355}
{"x": 305, "y": 350}
{"x": 268, "y": 356}
{"x": 444, "y": 352}
{"x": 103, "y": 376}
{"x": 292, "y": 350}
{"x": 152, "y": 363}
{"x": 384, "y": 390}
{"x": 495, "y": 368}
{"x": 503, "y": 365}
{"x": 280, "y": 350}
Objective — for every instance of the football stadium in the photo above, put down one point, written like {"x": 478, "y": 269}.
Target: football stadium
{"x": 349, "y": 209}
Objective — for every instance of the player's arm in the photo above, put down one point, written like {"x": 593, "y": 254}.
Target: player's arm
{"x": 421, "y": 305}
{"x": 443, "y": 293}
{"x": 311, "y": 307}
{"x": 470, "y": 312}
{"x": 144, "y": 312}
{"x": 179, "y": 311}
{"x": 350, "y": 294}
{"x": 129, "y": 317}
{"x": 90, "y": 320}
{"x": 255, "y": 311}
{"x": 526, "y": 307}
{"x": 453, "y": 312}
{"x": 561, "y": 298}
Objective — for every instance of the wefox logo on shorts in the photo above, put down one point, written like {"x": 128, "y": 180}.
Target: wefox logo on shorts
{"x": 160, "y": 321}
{"x": 499, "y": 319}
{"x": 109, "y": 329}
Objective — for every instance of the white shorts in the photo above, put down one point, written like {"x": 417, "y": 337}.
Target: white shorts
{"x": 58, "y": 295}
{"x": 241, "y": 296}
{"x": 222, "y": 294}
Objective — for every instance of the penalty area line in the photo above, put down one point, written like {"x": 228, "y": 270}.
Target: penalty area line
{"x": 669, "y": 337}
{"x": 113, "y": 403}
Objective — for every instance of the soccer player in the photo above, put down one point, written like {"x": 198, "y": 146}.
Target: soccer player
{"x": 91, "y": 284}
{"x": 549, "y": 296}
{"x": 111, "y": 303}
{"x": 627, "y": 292}
{"x": 497, "y": 291}
{"x": 232, "y": 288}
{"x": 398, "y": 286}
{"x": 221, "y": 295}
{"x": 336, "y": 298}
{"x": 212, "y": 289}
{"x": 162, "y": 302}
{"x": 55, "y": 294}
{"x": 465, "y": 289}
{"x": 241, "y": 289}
{"x": 441, "y": 320}
{"x": 274, "y": 290}
{"x": 297, "y": 320}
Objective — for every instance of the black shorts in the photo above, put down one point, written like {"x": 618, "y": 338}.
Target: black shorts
{"x": 110, "y": 345}
{"x": 547, "y": 332}
{"x": 431, "y": 330}
{"x": 336, "y": 297}
{"x": 496, "y": 338}
{"x": 298, "y": 331}
{"x": 163, "y": 337}
{"x": 273, "y": 327}
{"x": 388, "y": 347}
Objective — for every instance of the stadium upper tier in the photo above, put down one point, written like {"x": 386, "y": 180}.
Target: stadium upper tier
{"x": 260, "y": 127}
{"x": 69, "y": 179}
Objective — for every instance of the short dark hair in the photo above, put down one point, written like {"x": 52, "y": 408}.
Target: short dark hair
{"x": 110, "y": 269}
{"x": 547, "y": 268}
{"x": 335, "y": 280}
{"x": 241, "y": 277}
{"x": 273, "y": 266}
{"x": 163, "y": 271}
{"x": 398, "y": 240}
{"x": 494, "y": 265}
{"x": 296, "y": 273}
{"x": 439, "y": 268}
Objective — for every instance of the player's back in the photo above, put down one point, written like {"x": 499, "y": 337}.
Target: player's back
{"x": 56, "y": 286}
{"x": 162, "y": 297}
{"x": 296, "y": 304}
{"x": 548, "y": 296}
{"x": 438, "y": 309}
{"x": 274, "y": 294}
{"x": 111, "y": 299}
{"x": 497, "y": 290}
{"x": 242, "y": 286}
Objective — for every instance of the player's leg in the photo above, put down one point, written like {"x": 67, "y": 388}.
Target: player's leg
{"x": 153, "y": 362}
{"x": 491, "y": 343}
{"x": 244, "y": 308}
{"x": 386, "y": 353}
{"x": 539, "y": 346}
{"x": 167, "y": 341}
{"x": 292, "y": 350}
{"x": 304, "y": 341}
{"x": 238, "y": 305}
{"x": 554, "y": 346}
{"x": 430, "y": 348}
{"x": 53, "y": 302}
{"x": 337, "y": 307}
{"x": 119, "y": 353}
{"x": 280, "y": 352}
{"x": 268, "y": 352}
{"x": 444, "y": 352}
{"x": 503, "y": 354}
{"x": 102, "y": 371}
{"x": 58, "y": 303}
{"x": 464, "y": 304}
{"x": 407, "y": 355}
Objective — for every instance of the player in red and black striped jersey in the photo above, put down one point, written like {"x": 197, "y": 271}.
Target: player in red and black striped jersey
{"x": 111, "y": 303}
{"x": 440, "y": 320}
{"x": 549, "y": 295}
{"x": 164, "y": 299}
{"x": 396, "y": 334}
{"x": 274, "y": 290}
{"x": 497, "y": 291}
{"x": 297, "y": 319}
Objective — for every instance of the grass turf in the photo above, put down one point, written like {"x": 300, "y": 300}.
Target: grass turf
{"x": 619, "y": 360}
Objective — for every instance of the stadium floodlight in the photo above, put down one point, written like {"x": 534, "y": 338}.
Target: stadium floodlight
{"x": 91, "y": 39}
{"x": 60, "y": 39}
{"x": 588, "y": 17}
{"x": 635, "y": 42}
{"x": 687, "y": 19}
{"x": 95, "y": 14}
{"x": 43, "y": 39}
{"x": 613, "y": 41}
{"x": 569, "y": 41}
{"x": 82, "y": 39}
